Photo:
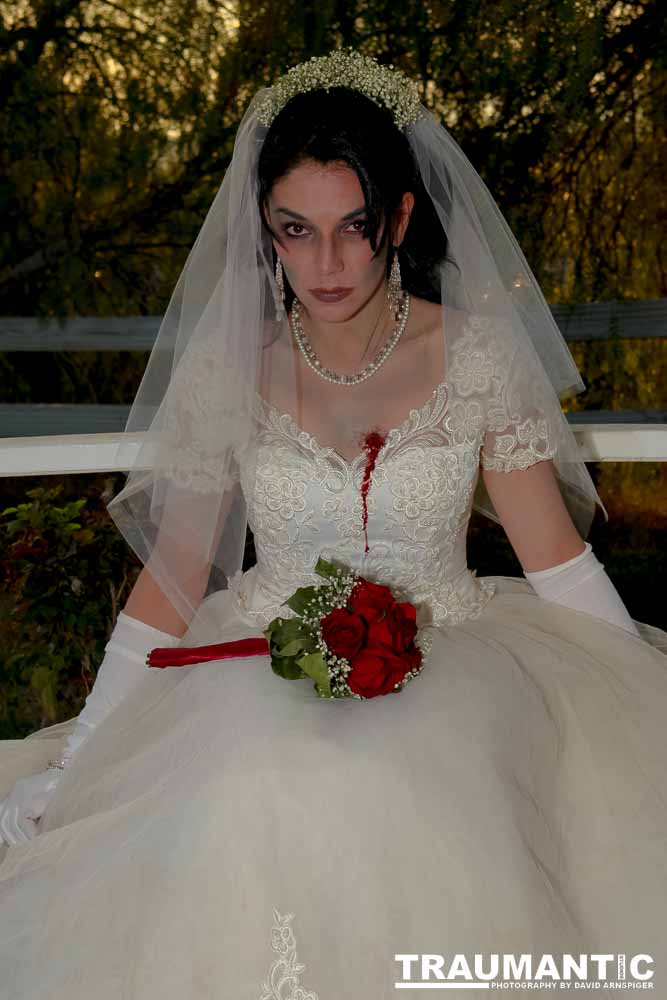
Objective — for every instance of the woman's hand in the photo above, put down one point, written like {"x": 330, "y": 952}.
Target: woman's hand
{"x": 121, "y": 671}
{"x": 22, "y": 808}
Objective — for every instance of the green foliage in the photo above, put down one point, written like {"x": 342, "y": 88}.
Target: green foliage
{"x": 327, "y": 569}
{"x": 288, "y": 639}
{"x": 621, "y": 373}
{"x": 64, "y": 571}
{"x": 315, "y": 665}
{"x": 119, "y": 122}
{"x": 301, "y": 598}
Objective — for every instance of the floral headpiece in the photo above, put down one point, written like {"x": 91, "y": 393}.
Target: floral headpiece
{"x": 345, "y": 68}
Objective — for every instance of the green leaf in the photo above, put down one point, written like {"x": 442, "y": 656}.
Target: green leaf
{"x": 325, "y": 568}
{"x": 301, "y": 598}
{"x": 287, "y": 667}
{"x": 304, "y": 644}
{"x": 284, "y": 630}
{"x": 315, "y": 666}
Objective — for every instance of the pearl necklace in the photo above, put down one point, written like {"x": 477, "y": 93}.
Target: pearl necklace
{"x": 313, "y": 361}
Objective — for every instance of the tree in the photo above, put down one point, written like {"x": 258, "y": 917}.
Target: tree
{"x": 120, "y": 121}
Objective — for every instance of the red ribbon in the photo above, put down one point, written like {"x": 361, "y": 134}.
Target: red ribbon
{"x": 373, "y": 444}
{"x": 183, "y": 656}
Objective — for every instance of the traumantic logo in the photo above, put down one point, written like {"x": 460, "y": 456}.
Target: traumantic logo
{"x": 508, "y": 971}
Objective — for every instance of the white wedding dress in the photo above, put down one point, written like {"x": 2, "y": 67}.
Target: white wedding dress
{"x": 227, "y": 834}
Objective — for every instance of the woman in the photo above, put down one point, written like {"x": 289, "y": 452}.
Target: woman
{"x": 355, "y": 355}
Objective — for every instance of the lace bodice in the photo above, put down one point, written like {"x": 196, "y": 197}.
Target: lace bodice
{"x": 304, "y": 500}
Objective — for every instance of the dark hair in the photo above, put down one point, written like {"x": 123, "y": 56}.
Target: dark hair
{"x": 341, "y": 124}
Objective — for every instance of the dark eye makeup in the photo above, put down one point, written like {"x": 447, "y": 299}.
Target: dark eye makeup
{"x": 362, "y": 223}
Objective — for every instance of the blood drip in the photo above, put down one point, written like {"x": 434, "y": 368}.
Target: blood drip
{"x": 373, "y": 443}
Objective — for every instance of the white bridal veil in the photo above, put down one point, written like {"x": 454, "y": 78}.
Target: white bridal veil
{"x": 182, "y": 509}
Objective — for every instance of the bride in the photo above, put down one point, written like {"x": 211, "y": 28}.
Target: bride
{"x": 355, "y": 356}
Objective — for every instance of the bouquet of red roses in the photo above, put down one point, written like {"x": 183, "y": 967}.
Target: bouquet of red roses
{"x": 350, "y": 635}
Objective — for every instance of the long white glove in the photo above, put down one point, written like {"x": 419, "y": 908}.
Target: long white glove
{"x": 122, "y": 669}
{"x": 581, "y": 583}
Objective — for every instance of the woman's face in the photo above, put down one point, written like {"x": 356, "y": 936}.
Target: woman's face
{"x": 318, "y": 211}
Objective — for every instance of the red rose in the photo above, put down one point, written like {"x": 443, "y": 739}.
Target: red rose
{"x": 402, "y": 620}
{"x": 397, "y": 629}
{"x": 344, "y": 633}
{"x": 380, "y": 633}
{"x": 372, "y": 600}
{"x": 375, "y": 671}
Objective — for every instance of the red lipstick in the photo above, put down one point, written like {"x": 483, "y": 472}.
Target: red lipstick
{"x": 330, "y": 294}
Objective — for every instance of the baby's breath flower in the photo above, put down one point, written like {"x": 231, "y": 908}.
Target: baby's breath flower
{"x": 345, "y": 68}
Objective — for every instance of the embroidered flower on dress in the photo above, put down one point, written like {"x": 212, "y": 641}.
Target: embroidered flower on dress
{"x": 283, "y": 979}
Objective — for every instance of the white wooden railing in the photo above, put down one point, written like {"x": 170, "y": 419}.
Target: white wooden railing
{"x": 76, "y": 453}
{"x": 35, "y": 439}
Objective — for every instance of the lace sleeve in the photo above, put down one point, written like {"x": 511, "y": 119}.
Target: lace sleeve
{"x": 520, "y": 427}
{"x": 197, "y": 426}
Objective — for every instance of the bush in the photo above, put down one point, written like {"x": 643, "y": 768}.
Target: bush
{"x": 66, "y": 572}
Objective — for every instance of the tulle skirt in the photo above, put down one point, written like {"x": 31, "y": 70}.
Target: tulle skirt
{"x": 227, "y": 834}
